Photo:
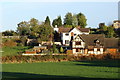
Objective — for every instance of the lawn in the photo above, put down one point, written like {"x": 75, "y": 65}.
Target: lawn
{"x": 13, "y": 50}
{"x": 81, "y": 70}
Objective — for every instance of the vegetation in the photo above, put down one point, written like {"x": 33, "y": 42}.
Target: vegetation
{"x": 61, "y": 50}
{"x": 81, "y": 20}
{"x": 68, "y": 19}
{"x": 75, "y": 20}
{"x": 9, "y": 33}
{"x": 57, "y": 22}
{"x": 10, "y": 51}
{"x": 92, "y": 70}
{"x": 47, "y": 21}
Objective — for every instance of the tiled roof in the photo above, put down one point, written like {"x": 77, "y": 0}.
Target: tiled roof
{"x": 117, "y": 21}
{"x": 106, "y": 42}
{"x": 90, "y": 39}
{"x": 111, "y": 43}
{"x": 63, "y": 29}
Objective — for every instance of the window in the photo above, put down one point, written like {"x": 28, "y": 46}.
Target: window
{"x": 67, "y": 34}
{"x": 77, "y": 50}
{"x": 90, "y": 49}
{"x": 98, "y": 49}
{"x": 78, "y": 43}
{"x": 66, "y": 41}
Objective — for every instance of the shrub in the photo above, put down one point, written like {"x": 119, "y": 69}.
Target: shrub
{"x": 61, "y": 50}
{"x": 10, "y": 43}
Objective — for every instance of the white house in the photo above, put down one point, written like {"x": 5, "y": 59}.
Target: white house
{"x": 67, "y": 34}
{"x": 88, "y": 44}
{"x": 79, "y": 41}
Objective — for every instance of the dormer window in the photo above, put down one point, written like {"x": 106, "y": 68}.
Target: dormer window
{"x": 97, "y": 42}
{"x": 67, "y": 34}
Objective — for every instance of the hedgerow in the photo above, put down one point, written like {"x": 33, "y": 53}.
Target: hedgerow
{"x": 58, "y": 58}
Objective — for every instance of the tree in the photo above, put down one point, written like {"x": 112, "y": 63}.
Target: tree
{"x": 47, "y": 21}
{"x": 33, "y": 22}
{"x": 23, "y": 28}
{"x": 68, "y": 19}
{"x": 81, "y": 20}
{"x": 9, "y": 33}
{"x": 74, "y": 21}
{"x": 110, "y": 32}
{"x": 54, "y": 22}
{"x": 103, "y": 29}
{"x": 57, "y": 21}
{"x": 45, "y": 32}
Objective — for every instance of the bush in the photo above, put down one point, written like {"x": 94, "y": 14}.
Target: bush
{"x": 38, "y": 58}
{"x": 19, "y": 44}
{"x": 9, "y": 43}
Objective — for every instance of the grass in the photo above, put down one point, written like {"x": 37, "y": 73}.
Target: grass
{"x": 82, "y": 70}
{"x": 13, "y": 50}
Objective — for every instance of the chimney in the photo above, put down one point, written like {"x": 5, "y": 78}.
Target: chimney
{"x": 55, "y": 26}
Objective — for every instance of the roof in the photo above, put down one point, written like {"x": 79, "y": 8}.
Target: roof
{"x": 111, "y": 43}
{"x": 117, "y": 21}
{"x": 106, "y": 42}
{"x": 91, "y": 38}
{"x": 64, "y": 30}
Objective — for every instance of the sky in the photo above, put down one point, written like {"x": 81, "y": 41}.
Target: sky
{"x": 12, "y": 12}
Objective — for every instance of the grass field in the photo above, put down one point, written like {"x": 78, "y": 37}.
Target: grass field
{"x": 13, "y": 50}
{"x": 82, "y": 70}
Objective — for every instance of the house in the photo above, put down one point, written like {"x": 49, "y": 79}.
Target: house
{"x": 111, "y": 45}
{"x": 78, "y": 41}
{"x": 88, "y": 44}
{"x": 116, "y": 24}
{"x": 66, "y": 33}
{"x": 94, "y": 44}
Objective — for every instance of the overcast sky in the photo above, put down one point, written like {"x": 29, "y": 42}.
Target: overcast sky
{"x": 96, "y": 12}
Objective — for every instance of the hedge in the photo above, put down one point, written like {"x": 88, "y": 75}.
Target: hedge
{"x": 58, "y": 58}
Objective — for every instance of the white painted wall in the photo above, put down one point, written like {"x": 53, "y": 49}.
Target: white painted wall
{"x": 96, "y": 52}
{"x": 56, "y": 29}
{"x": 75, "y": 31}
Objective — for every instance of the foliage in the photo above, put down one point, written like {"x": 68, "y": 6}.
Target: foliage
{"x": 61, "y": 50}
{"x": 81, "y": 20}
{"x": 57, "y": 22}
{"x": 47, "y": 21}
{"x": 45, "y": 32}
{"x": 68, "y": 26}
{"x": 110, "y": 32}
{"x": 68, "y": 19}
{"x": 103, "y": 28}
{"x": 55, "y": 50}
{"x": 33, "y": 22}
{"x": 9, "y": 33}
{"x": 23, "y": 28}
{"x": 74, "y": 21}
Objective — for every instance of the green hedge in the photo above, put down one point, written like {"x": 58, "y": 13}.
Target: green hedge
{"x": 39, "y": 58}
